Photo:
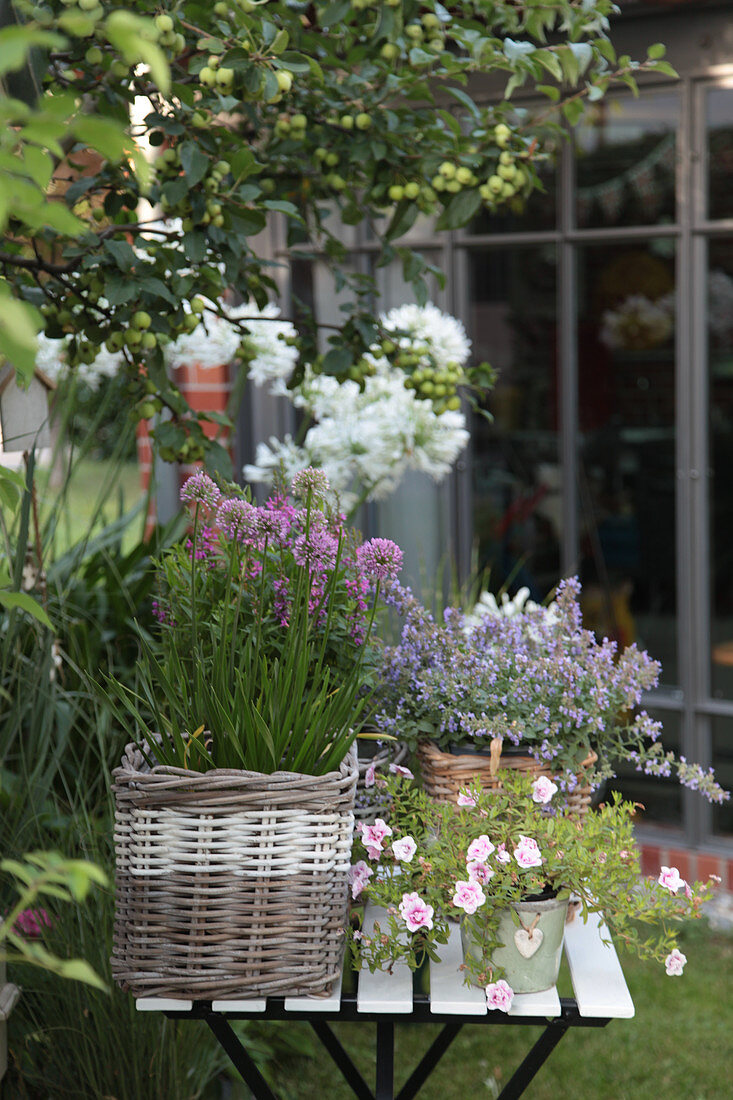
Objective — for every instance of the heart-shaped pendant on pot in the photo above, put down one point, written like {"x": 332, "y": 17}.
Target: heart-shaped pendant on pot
{"x": 528, "y": 943}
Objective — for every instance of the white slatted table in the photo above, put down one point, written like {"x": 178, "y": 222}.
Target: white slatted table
{"x": 600, "y": 991}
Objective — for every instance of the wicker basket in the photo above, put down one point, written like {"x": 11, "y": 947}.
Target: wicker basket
{"x": 230, "y": 884}
{"x": 371, "y": 802}
{"x": 445, "y": 775}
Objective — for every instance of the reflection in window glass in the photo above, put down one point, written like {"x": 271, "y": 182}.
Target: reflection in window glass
{"x": 626, "y": 153}
{"x": 626, "y": 459}
{"x": 661, "y": 799}
{"x": 516, "y": 472}
{"x": 719, "y": 123}
{"x": 722, "y": 745}
{"x": 720, "y": 374}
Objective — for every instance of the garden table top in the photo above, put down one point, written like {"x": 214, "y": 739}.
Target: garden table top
{"x": 600, "y": 995}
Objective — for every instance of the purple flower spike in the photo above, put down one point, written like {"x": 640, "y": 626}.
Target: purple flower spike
{"x": 200, "y": 489}
{"x": 380, "y": 559}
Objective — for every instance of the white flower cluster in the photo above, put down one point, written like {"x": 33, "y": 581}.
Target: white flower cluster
{"x": 51, "y": 359}
{"x": 638, "y": 323}
{"x": 508, "y": 608}
{"x": 443, "y": 335}
{"x": 216, "y": 339}
{"x": 366, "y": 440}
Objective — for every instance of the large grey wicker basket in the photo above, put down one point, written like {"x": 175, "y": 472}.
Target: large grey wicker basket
{"x": 230, "y": 884}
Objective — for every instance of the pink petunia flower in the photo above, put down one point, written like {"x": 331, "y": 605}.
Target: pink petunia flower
{"x": 527, "y": 853}
{"x": 502, "y": 856}
{"x": 359, "y": 875}
{"x": 415, "y": 912}
{"x": 479, "y": 849}
{"x": 674, "y": 964}
{"x": 670, "y": 879}
{"x": 465, "y": 798}
{"x": 468, "y": 896}
{"x": 369, "y": 777}
{"x": 479, "y": 872}
{"x": 499, "y": 995}
{"x": 543, "y": 789}
{"x": 404, "y": 849}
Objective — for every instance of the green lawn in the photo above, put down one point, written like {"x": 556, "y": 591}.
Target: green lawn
{"x": 97, "y": 492}
{"x": 678, "y": 1047}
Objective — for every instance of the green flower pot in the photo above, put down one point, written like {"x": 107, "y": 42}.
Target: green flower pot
{"x": 532, "y": 949}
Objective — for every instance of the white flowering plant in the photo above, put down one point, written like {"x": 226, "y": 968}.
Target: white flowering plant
{"x": 263, "y": 658}
{"x": 471, "y": 861}
{"x": 400, "y": 410}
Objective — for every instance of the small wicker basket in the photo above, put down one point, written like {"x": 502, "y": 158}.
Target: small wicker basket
{"x": 230, "y": 884}
{"x": 445, "y": 774}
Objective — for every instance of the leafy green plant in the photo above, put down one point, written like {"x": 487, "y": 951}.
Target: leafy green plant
{"x": 262, "y": 661}
{"x": 368, "y": 108}
{"x": 474, "y": 860}
{"x": 37, "y": 875}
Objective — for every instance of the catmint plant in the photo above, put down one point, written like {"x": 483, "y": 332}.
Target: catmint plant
{"x": 531, "y": 676}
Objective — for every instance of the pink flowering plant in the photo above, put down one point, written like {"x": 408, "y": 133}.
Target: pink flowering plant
{"x": 435, "y": 863}
{"x": 536, "y": 680}
{"x": 263, "y": 660}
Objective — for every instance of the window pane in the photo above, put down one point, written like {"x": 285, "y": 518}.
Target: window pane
{"x": 661, "y": 799}
{"x": 516, "y": 472}
{"x": 722, "y": 744}
{"x": 626, "y": 158}
{"x": 720, "y": 374}
{"x": 626, "y": 459}
{"x": 719, "y": 122}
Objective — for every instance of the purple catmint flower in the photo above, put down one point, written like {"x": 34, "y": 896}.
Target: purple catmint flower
{"x": 200, "y": 489}
{"x": 380, "y": 559}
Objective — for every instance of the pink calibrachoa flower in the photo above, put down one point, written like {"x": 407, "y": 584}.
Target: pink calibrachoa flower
{"x": 404, "y": 849}
{"x": 502, "y": 856}
{"x": 499, "y": 995}
{"x": 359, "y": 875}
{"x": 399, "y": 769}
{"x": 526, "y": 853}
{"x": 468, "y": 896}
{"x": 415, "y": 912}
{"x": 479, "y": 872}
{"x": 674, "y": 964}
{"x": 373, "y": 837}
{"x": 543, "y": 789}
{"x": 670, "y": 879}
{"x": 369, "y": 777}
{"x": 479, "y": 849}
{"x": 465, "y": 798}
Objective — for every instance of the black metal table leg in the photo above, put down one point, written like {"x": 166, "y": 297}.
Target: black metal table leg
{"x": 239, "y": 1057}
{"x": 341, "y": 1059}
{"x": 534, "y": 1061}
{"x": 428, "y": 1062}
{"x": 385, "y": 1061}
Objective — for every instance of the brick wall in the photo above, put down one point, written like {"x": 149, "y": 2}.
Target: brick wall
{"x": 206, "y": 389}
{"x": 692, "y": 864}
